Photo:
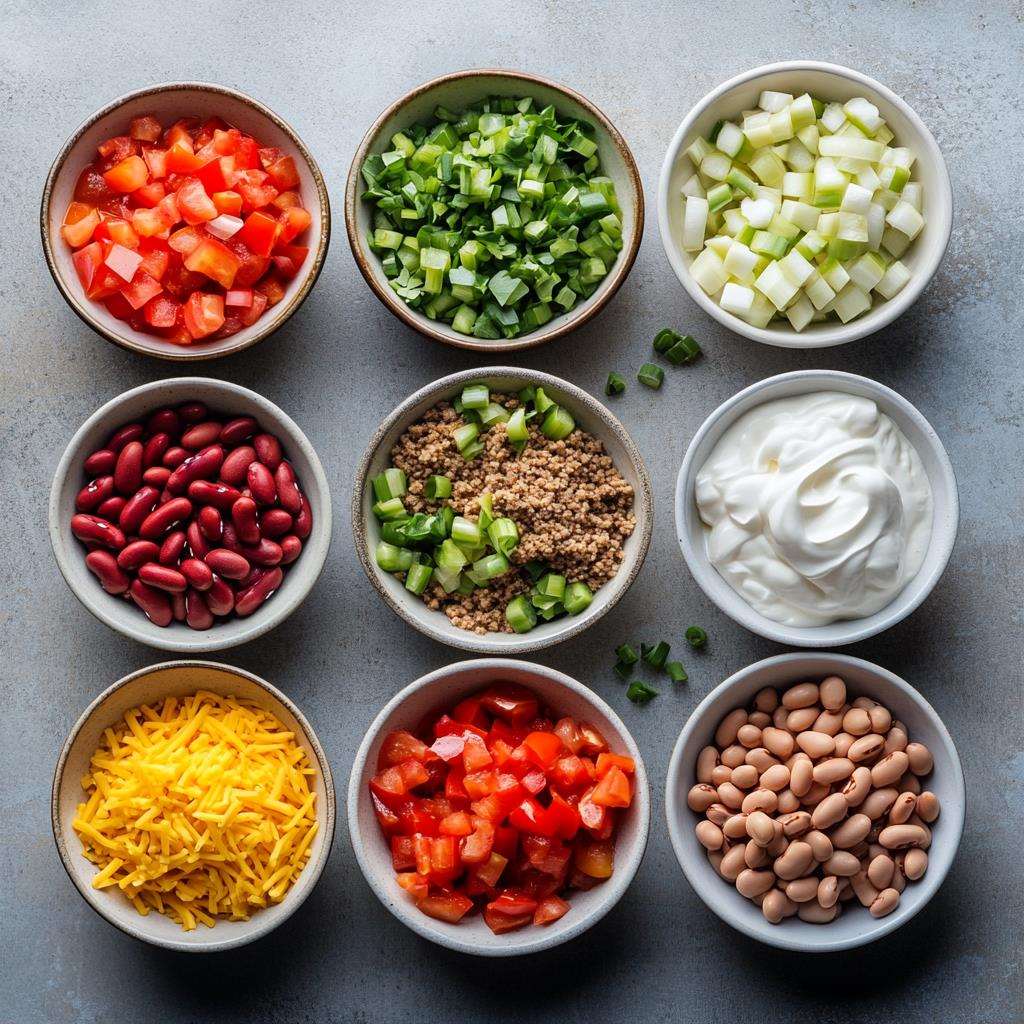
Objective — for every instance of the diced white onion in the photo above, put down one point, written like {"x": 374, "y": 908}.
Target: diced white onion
{"x": 224, "y": 226}
{"x": 695, "y": 222}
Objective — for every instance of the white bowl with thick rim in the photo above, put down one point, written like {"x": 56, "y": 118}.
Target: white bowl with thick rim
{"x": 442, "y": 689}
{"x": 855, "y": 927}
{"x": 220, "y": 397}
{"x": 692, "y": 531}
{"x": 591, "y": 416}
{"x": 169, "y": 102}
{"x": 830, "y": 82}
{"x": 147, "y": 685}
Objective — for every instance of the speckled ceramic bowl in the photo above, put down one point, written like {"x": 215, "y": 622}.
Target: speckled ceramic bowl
{"x": 456, "y": 91}
{"x": 178, "y": 678}
{"x": 856, "y": 926}
{"x": 220, "y": 397}
{"x": 592, "y": 417}
{"x": 442, "y": 689}
{"x": 167, "y": 103}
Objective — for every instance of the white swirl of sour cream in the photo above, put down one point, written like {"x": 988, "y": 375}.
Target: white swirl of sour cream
{"x": 819, "y": 508}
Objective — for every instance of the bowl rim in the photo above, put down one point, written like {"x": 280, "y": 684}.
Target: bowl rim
{"x": 420, "y": 923}
{"x": 722, "y": 908}
{"x": 329, "y": 811}
{"x": 707, "y": 577}
{"x": 80, "y": 305}
{"x": 59, "y": 528}
{"x": 606, "y": 290}
{"x": 839, "y": 333}
{"x": 643, "y": 507}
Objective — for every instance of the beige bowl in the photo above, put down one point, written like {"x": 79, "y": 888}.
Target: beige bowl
{"x": 176, "y": 678}
{"x": 456, "y": 91}
{"x": 168, "y": 102}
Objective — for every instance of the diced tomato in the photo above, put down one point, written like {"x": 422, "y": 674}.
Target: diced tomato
{"x": 457, "y": 823}
{"x": 181, "y": 160}
{"x": 475, "y": 755}
{"x": 414, "y": 818}
{"x": 293, "y": 222}
{"x": 592, "y": 815}
{"x": 92, "y": 188}
{"x": 88, "y": 262}
{"x": 228, "y": 202}
{"x": 606, "y": 761}
{"x": 259, "y": 233}
{"x": 481, "y": 783}
{"x": 530, "y": 817}
{"x": 216, "y": 176}
{"x": 613, "y": 790}
{"x": 469, "y": 711}
{"x": 512, "y": 903}
{"x": 247, "y": 154}
{"x": 80, "y": 222}
{"x": 444, "y": 862}
{"x": 288, "y": 259}
{"x": 140, "y": 289}
{"x": 446, "y": 906}
{"x": 543, "y": 748}
{"x": 561, "y": 818}
{"x": 180, "y": 131}
{"x": 255, "y": 311}
{"x": 194, "y": 205}
{"x": 389, "y": 786}
{"x": 156, "y": 221}
{"x": 549, "y": 910}
{"x": 128, "y": 175}
{"x": 569, "y": 773}
{"x": 118, "y": 306}
{"x": 269, "y": 155}
{"x": 447, "y": 726}
{"x": 534, "y": 782}
{"x": 595, "y": 858}
{"x": 415, "y": 885}
{"x": 105, "y": 285}
{"x": 185, "y": 240}
{"x": 215, "y": 260}
{"x": 179, "y": 282}
{"x": 254, "y": 187}
{"x": 123, "y": 261}
{"x": 116, "y": 149}
{"x": 156, "y": 257}
{"x": 491, "y": 869}
{"x": 150, "y": 194}
{"x": 162, "y": 311}
{"x": 283, "y": 173}
{"x": 156, "y": 161}
{"x": 478, "y": 845}
{"x": 591, "y": 741}
{"x": 398, "y": 746}
{"x": 500, "y": 923}
{"x": 226, "y": 140}
{"x": 121, "y": 232}
{"x": 204, "y": 134}
{"x": 204, "y": 314}
{"x": 286, "y": 200}
{"x": 510, "y": 702}
{"x": 145, "y": 128}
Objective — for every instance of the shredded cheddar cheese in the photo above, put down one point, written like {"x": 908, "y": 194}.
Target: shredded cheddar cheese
{"x": 198, "y": 807}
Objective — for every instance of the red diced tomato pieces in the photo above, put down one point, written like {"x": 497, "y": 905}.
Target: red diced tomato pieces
{"x": 161, "y": 311}
{"x": 249, "y": 316}
{"x": 79, "y": 224}
{"x": 549, "y": 910}
{"x": 613, "y": 790}
{"x": 145, "y": 129}
{"x": 283, "y": 173}
{"x": 87, "y": 262}
{"x": 194, "y": 204}
{"x": 204, "y": 314}
{"x": 446, "y": 906}
{"x": 259, "y": 233}
{"x": 228, "y": 202}
{"x": 128, "y": 175}
{"x": 215, "y": 260}
{"x": 511, "y": 703}
{"x": 140, "y": 289}
{"x": 181, "y": 159}
{"x": 156, "y": 161}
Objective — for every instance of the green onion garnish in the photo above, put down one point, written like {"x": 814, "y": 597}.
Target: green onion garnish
{"x": 466, "y": 533}
{"x": 685, "y": 350}
{"x": 520, "y": 615}
{"x": 437, "y": 487}
{"x": 503, "y": 535}
{"x": 651, "y": 375}
{"x": 489, "y": 567}
{"x": 696, "y": 636}
{"x": 626, "y": 654}
{"x": 623, "y": 669}
{"x": 417, "y": 577}
{"x": 665, "y": 339}
{"x": 655, "y": 656}
{"x": 577, "y": 598}
{"x": 390, "y": 509}
{"x": 475, "y": 396}
{"x": 551, "y": 585}
{"x": 393, "y": 559}
{"x": 389, "y": 484}
{"x": 516, "y": 427}
{"x": 535, "y": 570}
{"x": 640, "y": 693}
{"x": 557, "y": 424}
{"x": 615, "y": 384}
{"x": 676, "y": 672}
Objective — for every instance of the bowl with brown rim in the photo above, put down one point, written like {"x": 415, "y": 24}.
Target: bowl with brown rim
{"x": 457, "y": 91}
{"x": 168, "y": 102}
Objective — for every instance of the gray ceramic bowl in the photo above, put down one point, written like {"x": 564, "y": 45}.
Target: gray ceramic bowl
{"x": 456, "y": 91}
{"x": 221, "y": 397}
{"x": 442, "y": 689}
{"x": 591, "y": 416}
{"x": 167, "y": 103}
{"x": 856, "y": 926}
{"x": 177, "y": 678}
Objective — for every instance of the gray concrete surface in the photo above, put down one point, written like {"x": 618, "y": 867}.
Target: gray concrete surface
{"x": 343, "y": 362}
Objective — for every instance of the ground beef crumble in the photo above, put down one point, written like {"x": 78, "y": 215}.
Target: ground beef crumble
{"x": 572, "y": 506}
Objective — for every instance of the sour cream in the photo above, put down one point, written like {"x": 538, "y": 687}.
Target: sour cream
{"x": 819, "y": 508}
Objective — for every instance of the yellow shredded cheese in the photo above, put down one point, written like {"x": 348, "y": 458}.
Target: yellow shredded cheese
{"x": 198, "y": 807}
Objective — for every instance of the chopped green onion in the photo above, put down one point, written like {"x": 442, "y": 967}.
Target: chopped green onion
{"x": 557, "y": 424}
{"x": 493, "y": 413}
{"x": 623, "y": 669}
{"x": 626, "y": 654}
{"x": 640, "y": 693}
{"x": 535, "y": 570}
{"x": 615, "y": 385}
{"x": 551, "y": 585}
{"x": 520, "y": 614}
{"x": 651, "y": 375}
{"x": 665, "y": 339}
{"x": 655, "y": 656}
{"x": 417, "y": 577}
{"x": 391, "y": 483}
{"x": 676, "y": 672}
{"x": 437, "y": 487}
{"x": 516, "y": 427}
{"x": 450, "y": 556}
{"x": 696, "y": 637}
{"x": 465, "y": 435}
{"x": 465, "y": 532}
{"x": 503, "y": 535}
{"x": 391, "y": 558}
{"x": 475, "y": 396}
{"x": 577, "y": 598}
{"x": 486, "y": 517}
{"x": 541, "y": 402}
{"x": 490, "y": 567}
{"x": 389, "y": 510}
{"x": 685, "y": 350}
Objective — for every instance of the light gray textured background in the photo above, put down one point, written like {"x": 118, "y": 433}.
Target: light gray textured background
{"x": 343, "y": 362}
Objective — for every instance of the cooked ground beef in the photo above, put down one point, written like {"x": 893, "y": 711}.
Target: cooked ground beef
{"x": 573, "y": 508}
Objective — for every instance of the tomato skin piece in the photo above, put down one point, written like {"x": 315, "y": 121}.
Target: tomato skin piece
{"x": 203, "y": 314}
{"x": 128, "y": 175}
{"x": 283, "y": 174}
{"x": 161, "y": 311}
{"x": 543, "y": 748}
{"x": 446, "y": 906}
{"x": 215, "y": 260}
{"x": 259, "y": 233}
{"x": 293, "y": 222}
{"x": 549, "y": 910}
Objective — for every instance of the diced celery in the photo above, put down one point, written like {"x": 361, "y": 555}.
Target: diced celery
{"x": 775, "y": 286}
{"x": 709, "y": 272}
{"x": 734, "y": 222}
{"x": 834, "y": 273}
{"x": 738, "y": 180}
{"x": 757, "y": 129}
{"x": 803, "y": 215}
{"x": 761, "y": 312}
{"x": 819, "y": 291}
{"x": 730, "y": 139}
{"x": 801, "y": 110}
{"x": 851, "y": 302}
{"x": 833, "y": 117}
{"x": 767, "y": 244}
{"x": 692, "y": 186}
{"x": 800, "y": 313}
{"x": 894, "y": 278}
{"x": 829, "y": 184}
{"x": 773, "y": 101}
{"x": 780, "y": 124}
{"x": 697, "y": 150}
{"x": 796, "y": 268}
{"x": 737, "y": 298}
{"x": 695, "y": 221}
{"x": 385, "y": 239}
{"x": 845, "y": 145}
{"x": 787, "y": 229}
{"x": 905, "y": 219}
{"x": 768, "y": 167}
{"x": 863, "y": 114}
{"x": 465, "y": 318}
{"x": 798, "y": 185}
{"x": 716, "y": 166}
{"x": 828, "y": 225}
{"x": 893, "y": 177}
{"x": 718, "y": 197}
{"x": 895, "y": 242}
{"x": 811, "y": 244}
{"x": 867, "y": 178}
{"x": 855, "y": 199}
{"x": 867, "y": 270}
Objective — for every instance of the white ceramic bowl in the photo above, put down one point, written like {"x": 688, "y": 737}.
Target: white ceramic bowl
{"x": 692, "y": 532}
{"x": 829, "y": 82}
{"x": 177, "y": 678}
{"x": 855, "y": 926}
{"x": 442, "y": 689}
{"x": 167, "y": 103}
{"x": 457, "y": 91}
{"x": 591, "y": 416}
{"x": 221, "y": 397}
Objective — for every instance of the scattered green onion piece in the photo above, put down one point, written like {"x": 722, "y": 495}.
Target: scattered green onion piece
{"x": 676, "y": 672}
{"x": 450, "y": 556}
{"x": 475, "y": 396}
{"x": 685, "y": 350}
{"x": 696, "y": 637}
{"x": 527, "y": 395}
{"x": 665, "y": 339}
{"x": 503, "y": 535}
{"x": 490, "y": 567}
{"x": 437, "y": 487}
{"x": 465, "y": 532}
{"x": 623, "y": 669}
{"x": 390, "y": 509}
{"x": 541, "y": 402}
{"x": 516, "y": 427}
{"x": 417, "y": 577}
{"x": 651, "y": 375}
{"x": 486, "y": 517}
{"x": 391, "y": 558}
{"x": 390, "y": 484}
{"x": 577, "y": 598}
{"x": 493, "y": 413}
{"x": 535, "y": 570}
{"x": 615, "y": 384}
{"x": 552, "y": 585}
{"x": 449, "y": 579}
{"x": 557, "y": 424}
{"x": 465, "y": 435}
{"x": 655, "y": 656}
{"x": 520, "y": 614}
{"x": 472, "y": 450}
{"x": 640, "y": 693}
{"x": 626, "y": 654}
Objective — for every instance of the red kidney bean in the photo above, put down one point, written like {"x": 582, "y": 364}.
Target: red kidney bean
{"x": 104, "y": 567}
{"x": 196, "y": 541}
{"x": 238, "y": 430}
{"x": 227, "y": 563}
{"x": 111, "y": 508}
{"x": 154, "y": 448}
{"x": 163, "y": 577}
{"x": 291, "y": 548}
{"x": 230, "y": 540}
{"x": 97, "y": 531}
{"x": 128, "y": 471}
{"x": 164, "y": 421}
{"x": 236, "y": 464}
{"x": 155, "y": 603}
{"x": 129, "y": 432}
{"x": 261, "y": 484}
{"x": 94, "y": 493}
{"x": 174, "y": 457}
{"x": 211, "y": 523}
{"x": 172, "y": 547}
{"x": 304, "y": 520}
{"x": 165, "y": 496}
{"x": 289, "y": 496}
{"x": 137, "y": 508}
{"x": 198, "y": 574}
{"x": 192, "y": 412}
{"x": 243, "y": 515}
{"x": 197, "y": 613}
{"x": 202, "y": 435}
{"x": 100, "y": 463}
{"x": 137, "y": 553}
{"x": 157, "y": 523}
{"x": 266, "y": 552}
{"x": 157, "y": 476}
{"x": 220, "y": 598}
{"x": 275, "y": 522}
{"x": 251, "y": 598}
{"x": 178, "y": 607}
{"x": 206, "y": 492}
{"x": 268, "y": 450}
{"x": 254, "y": 575}
{"x": 202, "y": 466}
